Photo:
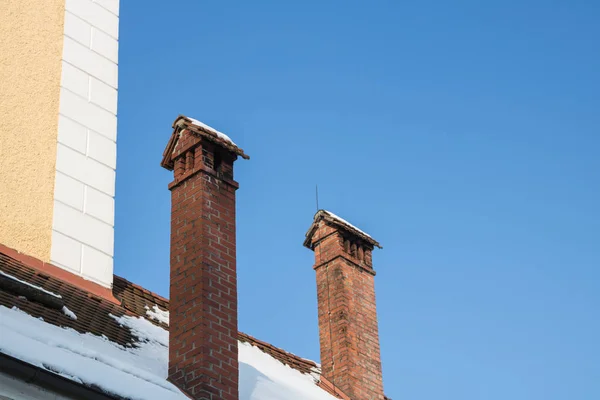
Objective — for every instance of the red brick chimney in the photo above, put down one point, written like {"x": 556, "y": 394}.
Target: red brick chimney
{"x": 349, "y": 336}
{"x": 203, "y": 352}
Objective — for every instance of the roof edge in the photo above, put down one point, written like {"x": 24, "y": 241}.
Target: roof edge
{"x": 330, "y": 388}
{"x": 49, "y": 380}
{"x": 59, "y": 273}
{"x": 292, "y": 360}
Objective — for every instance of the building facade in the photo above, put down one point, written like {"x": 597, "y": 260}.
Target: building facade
{"x": 58, "y": 108}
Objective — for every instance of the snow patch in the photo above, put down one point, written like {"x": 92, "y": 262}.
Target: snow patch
{"x": 30, "y": 285}
{"x": 144, "y": 330}
{"x": 69, "y": 313}
{"x": 213, "y": 130}
{"x": 157, "y": 314}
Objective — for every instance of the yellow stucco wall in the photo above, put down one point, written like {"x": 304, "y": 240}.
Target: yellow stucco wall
{"x": 31, "y": 42}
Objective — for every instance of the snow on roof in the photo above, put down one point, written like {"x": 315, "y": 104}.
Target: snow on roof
{"x": 213, "y": 130}
{"x": 64, "y": 309}
{"x": 157, "y": 314}
{"x": 264, "y": 378}
{"x": 134, "y": 373}
{"x": 58, "y": 296}
{"x": 68, "y": 312}
{"x": 139, "y": 372}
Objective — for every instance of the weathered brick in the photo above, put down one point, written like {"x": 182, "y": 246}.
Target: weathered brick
{"x": 203, "y": 359}
{"x": 348, "y": 331}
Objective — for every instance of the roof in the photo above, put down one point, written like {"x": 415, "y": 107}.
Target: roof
{"x": 107, "y": 344}
{"x": 332, "y": 219}
{"x": 200, "y": 129}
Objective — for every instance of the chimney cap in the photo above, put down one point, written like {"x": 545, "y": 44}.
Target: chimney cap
{"x": 339, "y": 222}
{"x": 200, "y": 129}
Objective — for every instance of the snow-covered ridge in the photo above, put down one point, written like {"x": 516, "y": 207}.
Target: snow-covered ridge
{"x": 213, "y": 130}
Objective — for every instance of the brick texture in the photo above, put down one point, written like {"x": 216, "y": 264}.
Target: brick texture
{"x": 349, "y": 336}
{"x": 203, "y": 352}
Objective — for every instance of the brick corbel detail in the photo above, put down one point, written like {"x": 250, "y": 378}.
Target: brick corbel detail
{"x": 348, "y": 328}
{"x": 203, "y": 353}
{"x": 354, "y": 251}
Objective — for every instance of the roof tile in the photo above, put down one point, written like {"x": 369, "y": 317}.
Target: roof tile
{"x": 93, "y": 313}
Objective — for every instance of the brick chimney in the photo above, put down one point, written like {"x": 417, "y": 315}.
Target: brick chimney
{"x": 203, "y": 352}
{"x": 349, "y": 336}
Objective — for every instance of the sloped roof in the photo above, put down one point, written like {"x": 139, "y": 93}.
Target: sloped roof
{"x": 126, "y": 344}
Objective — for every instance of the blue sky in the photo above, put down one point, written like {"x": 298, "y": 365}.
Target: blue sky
{"x": 465, "y": 137}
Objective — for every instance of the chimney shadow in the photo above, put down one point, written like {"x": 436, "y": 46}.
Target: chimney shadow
{"x": 250, "y": 379}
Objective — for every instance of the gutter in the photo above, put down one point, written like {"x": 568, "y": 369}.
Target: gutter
{"x": 50, "y": 381}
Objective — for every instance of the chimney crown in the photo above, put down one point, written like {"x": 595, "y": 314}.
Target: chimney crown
{"x": 348, "y": 328}
{"x": 199, "y": 129}
{"x": 342, "y": 224}
{"x": 203, "y": 346}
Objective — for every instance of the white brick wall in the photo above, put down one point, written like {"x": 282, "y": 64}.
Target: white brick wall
{"x": 72, "y": 134}
{"x": 84, "y": 112}
{"x": 102, "y": 149}
{"x": 105, "y": 45}
{"x": 96, "y": 15}
{"x": 89, "y": 61}
{"x": 103, "y": 95}
{"x": 69, "y": 191}
{"x": 77, "y": 29}
{"x": 85, "y": 169}
{"x": 83, "y": 226}
{"x": 110, "y": 5}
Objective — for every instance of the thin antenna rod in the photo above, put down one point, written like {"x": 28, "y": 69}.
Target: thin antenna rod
{"x": 317, "y": 192}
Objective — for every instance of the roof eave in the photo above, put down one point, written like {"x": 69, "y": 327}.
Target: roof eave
{"x": 49, "y": 380}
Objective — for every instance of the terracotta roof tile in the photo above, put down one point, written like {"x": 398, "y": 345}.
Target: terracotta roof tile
{"x": 94, "y": 313}
{"x": 136, "y": 299}
{"x": 301, "y": 364}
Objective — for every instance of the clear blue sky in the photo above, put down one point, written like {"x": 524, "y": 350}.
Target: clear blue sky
{"x": 464, "y": 137}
